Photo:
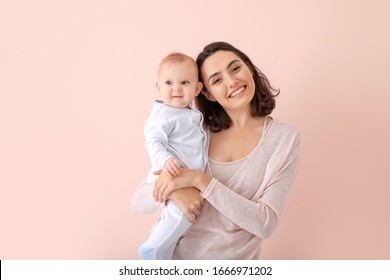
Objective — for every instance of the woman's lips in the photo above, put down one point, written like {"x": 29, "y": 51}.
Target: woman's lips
{"x": 237, "y": 92}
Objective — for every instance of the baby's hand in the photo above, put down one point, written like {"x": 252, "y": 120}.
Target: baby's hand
{"x": 172, "y": 167}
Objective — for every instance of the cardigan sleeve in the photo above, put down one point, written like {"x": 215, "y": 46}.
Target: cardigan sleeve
{"x": 258, "y": 217}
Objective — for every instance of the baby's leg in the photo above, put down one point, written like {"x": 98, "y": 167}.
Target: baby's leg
{"x": 163, "y": 240}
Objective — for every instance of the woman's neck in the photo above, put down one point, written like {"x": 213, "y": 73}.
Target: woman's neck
{"x": 242, "y": 120}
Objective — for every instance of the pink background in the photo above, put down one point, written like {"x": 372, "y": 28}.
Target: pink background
{"x": 77, "y": 80}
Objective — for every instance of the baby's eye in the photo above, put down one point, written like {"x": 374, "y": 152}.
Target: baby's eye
{"x": 169, "y": 83}
{"x": 185, "y": 82}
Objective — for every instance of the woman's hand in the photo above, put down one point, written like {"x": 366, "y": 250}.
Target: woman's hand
{"x": 190, "y": 201}
{"x": 165, "y": 184}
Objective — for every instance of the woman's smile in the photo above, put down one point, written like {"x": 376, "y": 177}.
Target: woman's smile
{"x": 238, "y": 92}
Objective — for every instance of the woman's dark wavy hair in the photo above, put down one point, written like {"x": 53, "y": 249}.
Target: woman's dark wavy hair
{"x": 262, "y": 103}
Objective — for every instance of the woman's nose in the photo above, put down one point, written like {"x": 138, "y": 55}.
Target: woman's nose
{"x": 232, "y": 81}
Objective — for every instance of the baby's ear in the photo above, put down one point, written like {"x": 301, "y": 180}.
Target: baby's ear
{"x": 199, "y": 87}
{"x": 208, "y": 95}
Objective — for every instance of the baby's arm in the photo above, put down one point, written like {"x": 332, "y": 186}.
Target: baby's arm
{"x": 172, "y": 167}
{"x": 157, "y": 130}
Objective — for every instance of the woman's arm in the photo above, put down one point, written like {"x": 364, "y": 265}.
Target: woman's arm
{"x": 166, "y": 184}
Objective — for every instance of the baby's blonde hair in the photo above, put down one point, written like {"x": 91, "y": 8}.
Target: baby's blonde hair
{"x": 176, "y": 57}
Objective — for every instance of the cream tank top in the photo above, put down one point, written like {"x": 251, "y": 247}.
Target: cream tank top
{"x": 223, "y": 171}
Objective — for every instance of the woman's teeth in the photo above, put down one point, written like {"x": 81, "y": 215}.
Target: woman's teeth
{"x": 236, "y": 92}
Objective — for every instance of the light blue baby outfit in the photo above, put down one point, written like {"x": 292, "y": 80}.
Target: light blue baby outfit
{"x": 172, "y": 132}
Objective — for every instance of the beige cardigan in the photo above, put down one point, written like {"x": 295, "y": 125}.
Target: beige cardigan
{"x": 236, "y": 217}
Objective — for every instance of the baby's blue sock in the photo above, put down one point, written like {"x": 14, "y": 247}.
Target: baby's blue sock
{"x": 162, "y": 242}
{"x": 147, "y": 253}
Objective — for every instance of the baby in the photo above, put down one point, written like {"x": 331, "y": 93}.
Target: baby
{"x": 175, "y": 139}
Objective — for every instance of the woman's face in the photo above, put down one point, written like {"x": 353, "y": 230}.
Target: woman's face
{"x": 228, "y": 80}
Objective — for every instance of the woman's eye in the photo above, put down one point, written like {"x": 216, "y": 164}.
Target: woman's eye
{"x": 216, "y": 81}
{"x": 236, "y": 69}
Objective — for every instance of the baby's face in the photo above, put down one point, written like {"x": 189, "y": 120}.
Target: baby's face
{"x": 178, "y": 83}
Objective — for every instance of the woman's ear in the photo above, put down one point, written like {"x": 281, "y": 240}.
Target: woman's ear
{"x": 208, "y": 95}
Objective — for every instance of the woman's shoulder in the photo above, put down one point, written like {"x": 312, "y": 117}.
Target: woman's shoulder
{"x": 282, "y": 137}
{"x": 283, "y": 128}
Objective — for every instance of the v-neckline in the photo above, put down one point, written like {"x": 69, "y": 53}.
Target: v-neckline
{"x": 245, "y": 158}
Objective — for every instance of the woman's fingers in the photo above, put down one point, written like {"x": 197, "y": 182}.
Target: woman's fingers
{"x": 196, "y": 212}
{"x": 158, "y": 186}
{"x": 165, "y": 192}
{"x": 163, "y": 187}
{"x": 161, "y": 193}
{"x": 191, "y": 217}
{"x": 190, "y": 201}
{"x": 157, "y": 183}
{"x": 192, "y": 214}
{"x": 166, "y": 184}
{"x": 192, "y": 210}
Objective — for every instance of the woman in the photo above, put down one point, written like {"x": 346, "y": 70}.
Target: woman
{"x": 253, "y": 162}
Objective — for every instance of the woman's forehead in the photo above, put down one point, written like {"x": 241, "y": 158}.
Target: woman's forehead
{"x": 219, "y": 61}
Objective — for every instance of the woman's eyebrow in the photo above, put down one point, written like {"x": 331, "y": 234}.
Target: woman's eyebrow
{"x": 227, "y": 67}
{"x": 231, "y": 63}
